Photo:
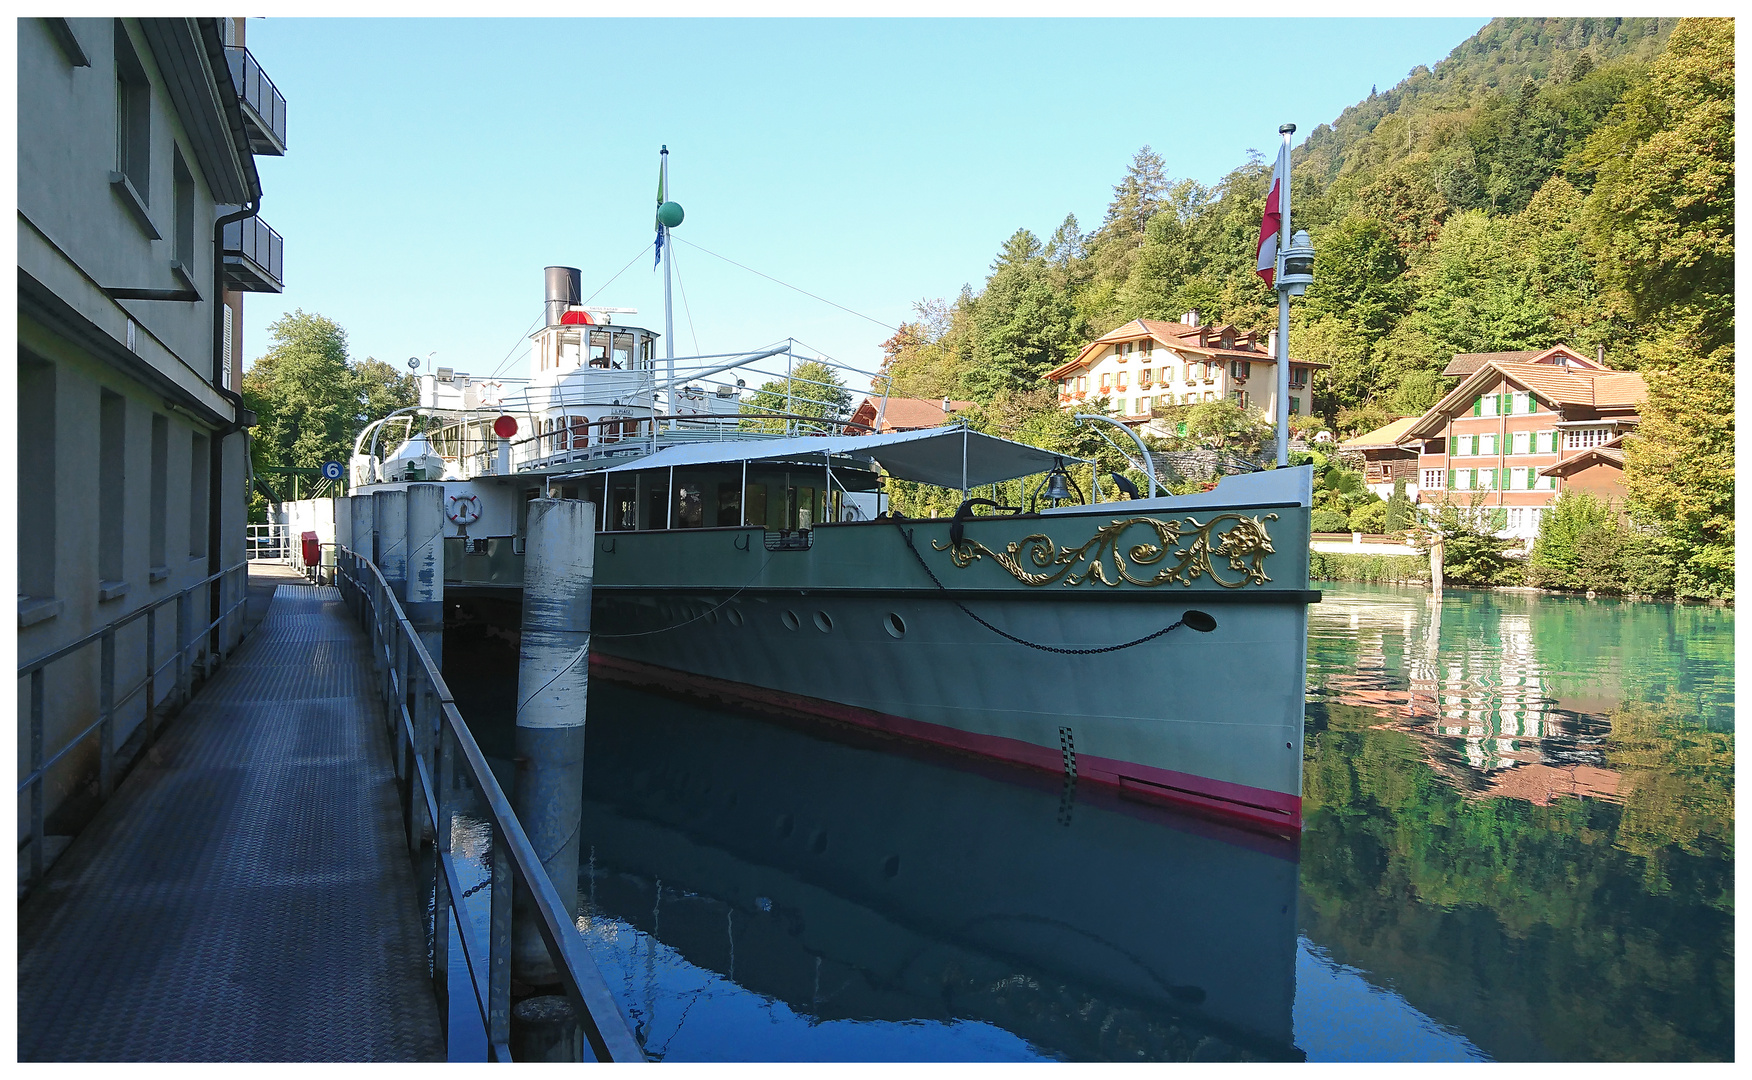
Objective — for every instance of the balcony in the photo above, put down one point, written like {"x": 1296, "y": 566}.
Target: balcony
{"x": 254, "y": 257}
{"x": 264, "y": 109}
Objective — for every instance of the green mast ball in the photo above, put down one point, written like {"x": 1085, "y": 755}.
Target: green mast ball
{"x": 669, "y": 215}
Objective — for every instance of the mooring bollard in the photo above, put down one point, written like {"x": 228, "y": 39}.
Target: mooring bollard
{"x": 553, "y": 668}
{"x": 392, "y": 540}
{"x": 545, "y": 1028}
{"x": 425, "y": 567}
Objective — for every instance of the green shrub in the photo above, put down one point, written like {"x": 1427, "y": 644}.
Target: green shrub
{"x": 1369, "y": 569}
{"x": 1369, "y": 518}
{"x": 1329, "y": 521}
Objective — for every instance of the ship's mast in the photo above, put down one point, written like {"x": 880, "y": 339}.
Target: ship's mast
{"x": 668, "y": 304}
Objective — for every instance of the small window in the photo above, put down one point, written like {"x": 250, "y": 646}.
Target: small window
{"x": 36, "y": 477}
{"x": 198, "y": 496}
{"x": 112, "y": 465}
{"x": 160, "y": 488}
{"x": 1432, "y": 478}
{"x": 133, "y": 117}
{"x": 184, "y": 239}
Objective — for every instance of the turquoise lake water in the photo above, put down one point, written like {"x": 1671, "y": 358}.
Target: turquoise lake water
{"x": 1519, "y": 846}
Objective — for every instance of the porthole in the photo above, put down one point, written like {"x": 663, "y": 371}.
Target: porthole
{"x": 895, "y": 625}
{"x": 823, "y": 622}
{"x": 733, "y": 616}
{"x": 789, "y": 618}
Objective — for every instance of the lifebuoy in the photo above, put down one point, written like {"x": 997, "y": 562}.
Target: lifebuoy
{"x": 463, "y": 509}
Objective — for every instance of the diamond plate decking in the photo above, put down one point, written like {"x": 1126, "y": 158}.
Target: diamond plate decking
{"x": 247, "y": 894}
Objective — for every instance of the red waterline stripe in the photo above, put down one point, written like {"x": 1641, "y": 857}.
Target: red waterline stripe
{"x": 1274, "y": 809}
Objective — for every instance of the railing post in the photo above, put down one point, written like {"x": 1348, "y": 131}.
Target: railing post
{"x": 499, "y": 949}
{"x": 184, "y": 678}
{"x": 151, "y": 673}
{"x": 106, "y": 699}
{"x": 37, "y": 840}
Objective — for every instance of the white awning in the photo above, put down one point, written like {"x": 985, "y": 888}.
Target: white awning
{"x": 951, "y": 457}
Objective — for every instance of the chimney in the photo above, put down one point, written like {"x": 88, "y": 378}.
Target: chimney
{"x": 1190, "y": 318}
{"x": 1271, "y": 343}
{"x": 565, "y": 287}
{"x": 1600, "y": 354}
{"x": 945, "y": 406}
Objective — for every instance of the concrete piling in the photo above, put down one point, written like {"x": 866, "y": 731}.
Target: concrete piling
{"x": 552, "y": 680}
{"x": 425, "y": 566}
{"x": 392, "y": 540}
{"x": 359, "y": 535}
{"x": 343, "y": 534}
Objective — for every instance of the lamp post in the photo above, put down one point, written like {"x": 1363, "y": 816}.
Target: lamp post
{"x": 1295, "y": 270}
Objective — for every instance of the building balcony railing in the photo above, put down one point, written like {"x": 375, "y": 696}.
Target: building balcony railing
{"x": 264, "y": 108}
{"x": 254, "y": 257}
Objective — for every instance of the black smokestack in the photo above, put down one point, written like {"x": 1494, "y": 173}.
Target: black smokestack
{"x": 565, "y": 287}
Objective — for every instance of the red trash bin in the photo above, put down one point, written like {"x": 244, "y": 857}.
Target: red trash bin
{"x": 312, "y": 549}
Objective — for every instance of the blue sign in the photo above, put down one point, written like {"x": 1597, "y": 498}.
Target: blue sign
{"x": 331, "y": 470}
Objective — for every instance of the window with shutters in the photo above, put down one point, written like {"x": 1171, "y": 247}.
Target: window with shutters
{"x": 1521, "y": 442}
{"x": 1487, "y": 445}
{"x": 1518, "y": 478}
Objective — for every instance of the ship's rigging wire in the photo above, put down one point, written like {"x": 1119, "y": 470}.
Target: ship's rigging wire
{"x": 786, "y": 284}
{"x": 906, "y": 535}
{"x": 684, "y": 304}
{"x": 521, "y": 338}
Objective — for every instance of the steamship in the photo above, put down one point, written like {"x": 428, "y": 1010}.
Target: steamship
{"x": 746, "y": 554}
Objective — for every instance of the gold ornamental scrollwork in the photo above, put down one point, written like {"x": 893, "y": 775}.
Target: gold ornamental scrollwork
{"x": 1196, "y": 550}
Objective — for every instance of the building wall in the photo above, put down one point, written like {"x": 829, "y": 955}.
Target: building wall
{"x": 67, "y": 150}
{"x": 1602, "y": 481}
{"x": 118, "y": 413}
{"x": 1174, "y": 378}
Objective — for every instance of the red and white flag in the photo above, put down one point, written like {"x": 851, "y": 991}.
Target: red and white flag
{"x": 1272, "y": 223}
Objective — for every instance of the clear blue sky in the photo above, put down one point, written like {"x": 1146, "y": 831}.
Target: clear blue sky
{"x": 435, "y": 166}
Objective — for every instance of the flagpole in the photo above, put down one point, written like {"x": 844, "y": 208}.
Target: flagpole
{"x": 1283, "y": 334}
{"x": 668, "y": 304}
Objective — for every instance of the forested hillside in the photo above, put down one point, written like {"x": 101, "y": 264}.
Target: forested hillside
{"x": 1552, "y": 180}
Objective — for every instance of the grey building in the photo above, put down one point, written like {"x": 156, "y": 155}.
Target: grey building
{"x": 137, "y": 238}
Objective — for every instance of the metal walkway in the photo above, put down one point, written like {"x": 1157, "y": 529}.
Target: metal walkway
{"x": 247, "y": 895}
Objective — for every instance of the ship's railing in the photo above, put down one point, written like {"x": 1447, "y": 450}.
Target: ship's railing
{"x": 453, "y": 805}
{"x": 267, "y": 543}
{"x": 200, "y": 649}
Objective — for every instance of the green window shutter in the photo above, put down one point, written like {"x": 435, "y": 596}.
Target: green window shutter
{"x": 1478, "y": 406}
{"x": 1532, "y": 404}
{"x": 1450, "y": 479}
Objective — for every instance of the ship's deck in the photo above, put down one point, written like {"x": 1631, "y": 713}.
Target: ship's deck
{"x": 247, "y": 894}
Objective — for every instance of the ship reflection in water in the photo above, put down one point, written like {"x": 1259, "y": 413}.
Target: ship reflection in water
{"x": 754, "y": 892}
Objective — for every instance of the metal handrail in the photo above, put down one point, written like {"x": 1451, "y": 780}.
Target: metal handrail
{"x": 421, "y": 717}
{"x": 210, "y": 653}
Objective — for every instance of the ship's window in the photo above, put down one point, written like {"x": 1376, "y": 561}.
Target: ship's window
{"x": 599, "y": 349}
{"x": 626, "y": 509}
{"x": 623, "y": 351}
{"x": 689, "y": 506}
{"x": 657, "y": 506}
{"x": 729, "y": 504}
{"x": 580, "y": 432}
{"x": 756, "y": 501}
{"x": 805, "y": 508}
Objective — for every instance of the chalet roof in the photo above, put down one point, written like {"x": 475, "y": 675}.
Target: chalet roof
{"x": 1391, "y": 435}
{"x": 906, "y": 414}
{"x": 1594, "y": 455}
{"x": 1466, "y": 363}
{"x": 1180, "y": 336}
{"x": 1588, "y": 387}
